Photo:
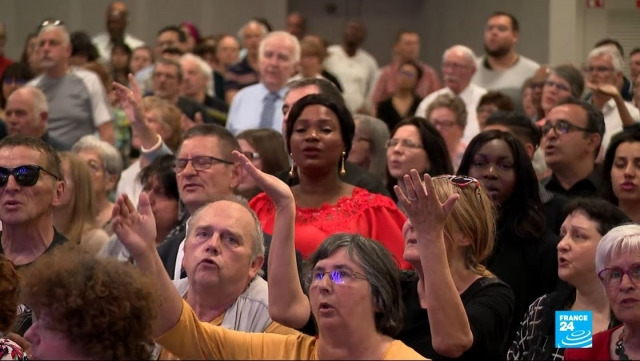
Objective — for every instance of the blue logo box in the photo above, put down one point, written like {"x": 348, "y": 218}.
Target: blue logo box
{"x": 574, "y": 329}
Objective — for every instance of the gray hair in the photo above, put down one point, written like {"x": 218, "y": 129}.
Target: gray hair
{"x": 257, "y": 248}
{"x": 111, "y": 158}
{"x": 623, "y": 239}
{"x": 378, "y": 133}
{"x": 283, "y": 35}
{"x": 616, "y": 59}
{"x": 262, "y": 27}
{"x": 66, "y": 38}
{"x": 205, "y": 69}
{"x": 38, "y": 98}
{"x": 379, "y": 268}
{"x": 167, "y": 61}
{"x": 465, "y": 50}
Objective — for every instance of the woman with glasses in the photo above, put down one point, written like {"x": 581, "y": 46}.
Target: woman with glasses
{"x": 319, "y": 133}
{"x": 586, "y": 221}
{"x": 621, "y": 173}
{"x": 563, "y": 81}
{"x": 415, "y": 144}
{"x": 105, "y": 164}
{"x": 352, "y": 281}
{"x": 524, "y": 255}
{"x": 404, "y": 101}
{"x": 265, "y": 148}
{"x": 449, "y": 115}
{"x": 617, "y": 261}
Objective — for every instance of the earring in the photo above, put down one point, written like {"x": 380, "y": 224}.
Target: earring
{"x": 292, "y": 172}
{"x": 342, "y": 170}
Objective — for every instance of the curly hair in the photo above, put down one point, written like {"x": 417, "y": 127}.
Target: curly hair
{"x": 105, "y": 305}
{"x": 9, "y": 291}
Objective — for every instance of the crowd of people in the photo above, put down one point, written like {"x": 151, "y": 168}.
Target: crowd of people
{"x": 267, "y": 195}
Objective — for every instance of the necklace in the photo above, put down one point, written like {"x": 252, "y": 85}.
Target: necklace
{"x": 620, "y": 351}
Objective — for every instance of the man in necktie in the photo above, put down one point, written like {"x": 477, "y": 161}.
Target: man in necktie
{"x": 256, "y": 106}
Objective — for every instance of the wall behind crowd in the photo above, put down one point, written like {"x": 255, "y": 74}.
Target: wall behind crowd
{"x": 551, "y": 31}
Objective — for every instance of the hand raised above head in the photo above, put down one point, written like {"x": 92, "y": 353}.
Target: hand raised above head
{"x": 130, "y": 100}
{"x": 135, "y": 229}
{"x": 605, "y": 89}
{"x": 421, "y": 203}
{"x": 276, "y": 189}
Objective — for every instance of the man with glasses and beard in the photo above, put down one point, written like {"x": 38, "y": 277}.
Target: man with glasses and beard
{"x": 30, "y": 186}
{"x": 502, "y": 68}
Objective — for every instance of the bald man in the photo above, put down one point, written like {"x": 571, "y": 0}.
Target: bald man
{"x": 116, "y": 23}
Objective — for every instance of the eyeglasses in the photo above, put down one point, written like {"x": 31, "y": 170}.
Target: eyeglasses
{"x": 408, "y": 74}
{"x": 25, "y": 175}
{"x": 252, "y": 155}
{"x": 598, "y": 69}
{"x": 94, "y": 165}
{"x": 562, "y": 127}
{"x": 358, "y": 138}
{"x": 338, "y": 277}
{"x": 51, "y": 22}
{"x": 201, "y": 162}
{"x": 462, "y": 182}
{"x": 612, "y": 277}
{"x": 557, "y": 85}
{"x": 443, "y": 123}
{"x": 404, "y": 143}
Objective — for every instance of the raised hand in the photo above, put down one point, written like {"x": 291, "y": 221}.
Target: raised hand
{"x": 604, "y": 89}
{"x": 421, "y": 203}
{"x": 130, "y": 100}
{"x": 135, "y": 229}
{"x": 276, "y": 189}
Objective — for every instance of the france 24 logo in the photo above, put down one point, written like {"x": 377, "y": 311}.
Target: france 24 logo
{"x": 574, "y": 329}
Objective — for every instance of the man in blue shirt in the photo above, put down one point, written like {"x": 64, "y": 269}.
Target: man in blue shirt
{"x": 257, "y": 106}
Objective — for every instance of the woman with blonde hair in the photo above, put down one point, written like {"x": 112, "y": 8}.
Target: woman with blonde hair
{"x": 75, "y": 217}
{"x": 455, "y": 308}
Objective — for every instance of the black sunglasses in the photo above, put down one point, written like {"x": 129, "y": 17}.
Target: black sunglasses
{"x": 25, "y": 175}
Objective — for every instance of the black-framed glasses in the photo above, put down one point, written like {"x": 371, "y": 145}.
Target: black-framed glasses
{"x": 51, "y": 22}
{"x": 563, "y": 127}
{"x": 612, "y": 277}
{"x": 338, "y": 277}
{"x": 25, "y": 175}
{"x": 201, "y": 162}
{"x": 251, "y": 155}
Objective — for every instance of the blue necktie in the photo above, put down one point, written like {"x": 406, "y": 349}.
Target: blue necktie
{"x": 268, "y": 111}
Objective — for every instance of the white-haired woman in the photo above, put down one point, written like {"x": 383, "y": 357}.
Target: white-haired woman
{"x": 618, "y": 267}
{"x": 368, "y": 150}
{"x": 105, "y": 163}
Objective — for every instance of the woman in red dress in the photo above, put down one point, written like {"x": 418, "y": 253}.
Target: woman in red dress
{"x": 319, "y": 134}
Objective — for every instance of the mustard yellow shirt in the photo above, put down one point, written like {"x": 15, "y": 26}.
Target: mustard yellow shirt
{"x": 195, "y": 340}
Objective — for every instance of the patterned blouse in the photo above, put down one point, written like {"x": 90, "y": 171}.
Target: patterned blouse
{"x": 10, "y": 350}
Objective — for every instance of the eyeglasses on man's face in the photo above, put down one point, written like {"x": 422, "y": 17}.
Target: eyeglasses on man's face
{"x": 201, "y": 162}
{"x": 562, "y": 127}
{"x": 557, "y": 85}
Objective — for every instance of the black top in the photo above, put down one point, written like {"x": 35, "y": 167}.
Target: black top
{"x": 24, "y": 316}
{"x": 218, "y": 83}
{"x": 190, "y": 108}
{"x": 332, "y": 78}
{"x": 388, "y": 113}
{"x": 241, "y": 75}
{"x": 488, "y": 303}
{"x": 553, "y": 205}
{"x": 587, "y": 187}
{"x": 528, "y": 265}
{"x": 354, "y": 175}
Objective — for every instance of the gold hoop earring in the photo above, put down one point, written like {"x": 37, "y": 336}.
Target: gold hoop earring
{"x": 292, "y": 172}
{"x": 342, "y": 170}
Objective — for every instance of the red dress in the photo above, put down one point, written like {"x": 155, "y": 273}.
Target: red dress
{"x": 371, "y": 215}
{"x": 598, "y": 351}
